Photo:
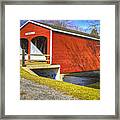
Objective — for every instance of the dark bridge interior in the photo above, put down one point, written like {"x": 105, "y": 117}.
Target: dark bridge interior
{"x": 41, "y": 43}
{"x": 24, "y": 44}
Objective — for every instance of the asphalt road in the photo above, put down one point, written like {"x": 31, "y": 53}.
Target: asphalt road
{"x": 30, "y": 90}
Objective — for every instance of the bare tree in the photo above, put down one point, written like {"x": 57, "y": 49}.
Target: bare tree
{"x": 59, "y": 23}
{"x": 93, "y": 25}
{"x": 94, "y": 30}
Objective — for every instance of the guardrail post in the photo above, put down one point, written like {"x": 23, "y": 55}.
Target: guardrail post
{"x": 23, "y": 58}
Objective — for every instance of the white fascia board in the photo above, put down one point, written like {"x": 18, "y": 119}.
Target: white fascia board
{"x": 45, "y": 26}
{"x": 50, "y": 46}
{"x": 29, "y": 21}
{"x": 75, "y": 34}
{"x": 62, "y": 31}
{"x": 25, "y": 24}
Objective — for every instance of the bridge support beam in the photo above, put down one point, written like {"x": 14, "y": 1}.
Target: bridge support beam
{"x": 29, "y": 47}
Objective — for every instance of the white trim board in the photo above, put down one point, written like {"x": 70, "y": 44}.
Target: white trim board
{"x": 56, "y": 30}
{"x": 50, "y": 46}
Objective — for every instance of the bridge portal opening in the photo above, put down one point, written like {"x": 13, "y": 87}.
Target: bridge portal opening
{"x": 24, "y": 44}
{"x": 41, "y": 43}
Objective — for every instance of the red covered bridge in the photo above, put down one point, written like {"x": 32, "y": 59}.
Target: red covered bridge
{"x": 74, "y": 51}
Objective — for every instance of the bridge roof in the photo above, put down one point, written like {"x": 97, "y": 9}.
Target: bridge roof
{"x": 63, "y": 30}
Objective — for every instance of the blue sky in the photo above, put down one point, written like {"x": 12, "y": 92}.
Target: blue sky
{"x": 81, "y": 25}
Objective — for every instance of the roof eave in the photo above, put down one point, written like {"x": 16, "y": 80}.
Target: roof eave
{"x": 57, "y": 30}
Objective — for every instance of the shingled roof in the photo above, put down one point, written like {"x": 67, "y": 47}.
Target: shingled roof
{"x": 69, "y": 30}
{"x": 63, "y": 29}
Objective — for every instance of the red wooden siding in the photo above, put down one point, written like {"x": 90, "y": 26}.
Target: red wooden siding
{"x": 39, "y": 31}
{"x": 72, "y": 53}
{"x": 75, "y": 54}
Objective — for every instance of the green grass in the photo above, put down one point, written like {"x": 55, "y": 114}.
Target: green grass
{"x": 95, "y": 85}
{"x": 80, "y": 92}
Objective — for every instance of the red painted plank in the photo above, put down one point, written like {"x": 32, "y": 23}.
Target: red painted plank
{"x": 39, "y": 31}
{"x": 75, "y": 54}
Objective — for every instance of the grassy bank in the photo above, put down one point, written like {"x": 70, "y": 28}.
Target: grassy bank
{"x": 95, "y": 85}
{"x": 80, "y": 92}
